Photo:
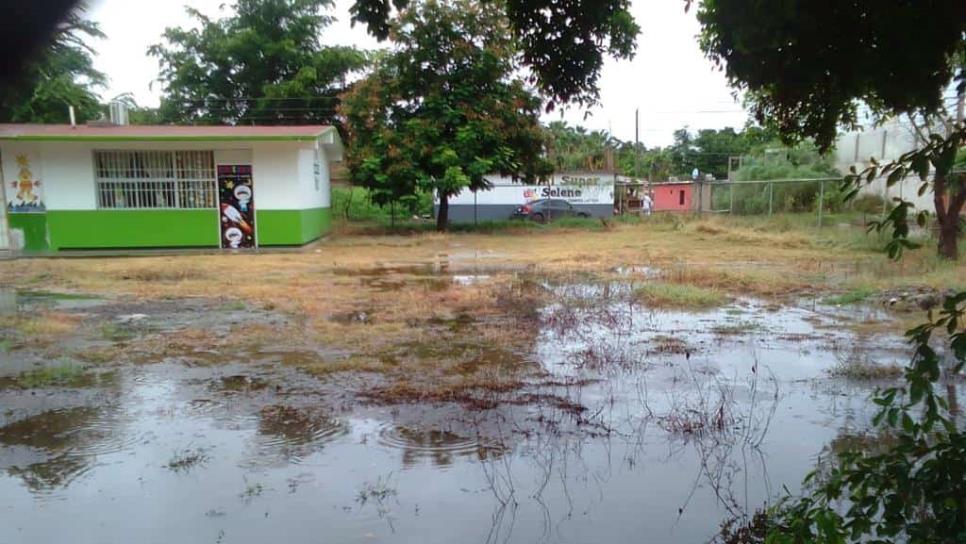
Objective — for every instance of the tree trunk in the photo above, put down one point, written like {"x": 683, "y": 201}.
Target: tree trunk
{"x": 949, "y": 238}
{"x": 442, "y": 218}
{"x": 948, "y": 207}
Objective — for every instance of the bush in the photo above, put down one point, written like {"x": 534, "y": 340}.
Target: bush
{"x": 355, "y": 204}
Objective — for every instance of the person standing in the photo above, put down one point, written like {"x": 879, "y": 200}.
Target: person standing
{"x": 647, "y": 203}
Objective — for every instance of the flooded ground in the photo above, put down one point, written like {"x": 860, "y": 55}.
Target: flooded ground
{"x": 592, "y": 417}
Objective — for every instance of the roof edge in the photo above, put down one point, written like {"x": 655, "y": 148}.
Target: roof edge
{"x": 164, "y": 138}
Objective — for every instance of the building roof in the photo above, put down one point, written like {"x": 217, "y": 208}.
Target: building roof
{"x": 115, "y": 133}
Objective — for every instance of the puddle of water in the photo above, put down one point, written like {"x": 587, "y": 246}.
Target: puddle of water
{"x": 305, "y": 462}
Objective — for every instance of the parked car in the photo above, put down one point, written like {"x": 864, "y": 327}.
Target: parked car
{"x": 547, "y": 209}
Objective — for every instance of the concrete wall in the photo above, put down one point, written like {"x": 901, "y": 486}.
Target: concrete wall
{"x": 885, "y": 143}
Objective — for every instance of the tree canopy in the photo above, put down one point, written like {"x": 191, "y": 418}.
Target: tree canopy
{"x": 62, "y": 75}
{"x": 261, "y": 64}
{"x": 807, "y": 65}
{"x": 563, "y": 42}
{"x": 443, "y": 108}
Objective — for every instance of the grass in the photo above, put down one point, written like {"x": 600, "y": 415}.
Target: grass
{"x": 861, "y": 369}
{"x": 676, "y": 295}
{"x": 41, "y": 325}
{"x": 854, "y": 296}
{"x": 63, "y": 374}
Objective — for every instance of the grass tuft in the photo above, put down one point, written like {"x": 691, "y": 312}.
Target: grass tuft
{"x": 63, "y": 374}
{"x": 855, "y": 296}
{"x": 675, "y": 295}
{"x": 857, "y": 368}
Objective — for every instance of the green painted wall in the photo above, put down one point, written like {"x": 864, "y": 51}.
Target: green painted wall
{"x": 292, "y": 227}
{"x": 34, "y": 227}
{"x": 96, "y": 229}
{"x": 89, "y": 229}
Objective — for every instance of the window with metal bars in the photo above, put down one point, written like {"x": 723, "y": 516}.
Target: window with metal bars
{"x": 155, "y": 179}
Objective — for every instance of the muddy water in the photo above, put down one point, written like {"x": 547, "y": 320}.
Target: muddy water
{"x": 686, "y": 419}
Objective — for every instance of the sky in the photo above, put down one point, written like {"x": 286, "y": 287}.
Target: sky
{"x": 669, "y": 80}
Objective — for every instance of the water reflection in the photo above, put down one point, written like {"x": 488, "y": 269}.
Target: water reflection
{"x": 52, "y": 449}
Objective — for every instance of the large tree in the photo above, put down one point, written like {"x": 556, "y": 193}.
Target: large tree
{"x": 262, "y": 64}
{"x": 808, "y": 66}
{"x": 443, "y": 108}
{"x": 62, "y": 75}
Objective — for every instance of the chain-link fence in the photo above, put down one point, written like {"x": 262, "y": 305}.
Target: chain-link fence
{"x": 820, "y": 196}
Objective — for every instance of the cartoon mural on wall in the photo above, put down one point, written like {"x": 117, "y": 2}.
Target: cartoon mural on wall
{"x": 26, "y": 196}
{"x": 235, "y": 197}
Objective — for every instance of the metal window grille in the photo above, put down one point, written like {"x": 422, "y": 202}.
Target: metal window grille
{"x": 155, "y": 179}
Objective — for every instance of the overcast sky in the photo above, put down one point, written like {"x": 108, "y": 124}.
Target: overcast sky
{"x": 669, "y": 79}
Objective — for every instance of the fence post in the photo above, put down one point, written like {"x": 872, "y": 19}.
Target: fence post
{"x": 821, "y": 201}
{"x": 731, "y": 204}
{"x": 771, "y": 196}
{"x": 475, "y": 222}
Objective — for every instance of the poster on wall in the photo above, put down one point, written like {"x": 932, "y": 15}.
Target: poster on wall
{"x": 24, "y": 193}
{"x": 236, "y": 202}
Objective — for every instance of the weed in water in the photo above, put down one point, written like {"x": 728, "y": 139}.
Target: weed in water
{"x": 854, "y": 296}
{"x": 251, "y": 491}
{"x": 673, "y": 295}
{"x": 63, "y": 374}
{"x": 4, "y": 346}
{"x": 184, "y": 460}
{"x": 861, "y": 368}
{"x": 736, "y": 328}
{"x": 377, "y": 491}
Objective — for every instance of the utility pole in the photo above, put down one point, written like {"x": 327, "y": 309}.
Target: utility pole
{"x": 637, "y": 126}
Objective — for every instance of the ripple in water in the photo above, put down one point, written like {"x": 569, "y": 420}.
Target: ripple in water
{"x": 438, "y": 446}
{"x": 289, "y": 434}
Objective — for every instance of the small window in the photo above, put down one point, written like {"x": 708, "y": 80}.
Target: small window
{"x": 155, "y": 179}
{"x": 681, "y": 198}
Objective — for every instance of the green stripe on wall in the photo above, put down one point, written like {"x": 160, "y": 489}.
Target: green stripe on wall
{"x": 34, "y": 227}
{"x": 89, "y": 229}
{"x": 292, "y": 227}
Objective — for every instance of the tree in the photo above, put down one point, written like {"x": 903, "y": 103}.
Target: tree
{"x": 262, "y": 64}
{"x": 443, "y": 108}
{"x": 563, "y": 42}
{"x": 806, "y": 69}
{"x": 62, "y": 75}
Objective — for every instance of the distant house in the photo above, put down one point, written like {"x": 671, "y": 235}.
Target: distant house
{"x": 107, "y": 187}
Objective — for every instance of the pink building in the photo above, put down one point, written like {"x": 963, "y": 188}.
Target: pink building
{"x": 673, "y": 196}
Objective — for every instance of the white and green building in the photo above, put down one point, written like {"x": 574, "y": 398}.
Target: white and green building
{"x": 127, "y": 187}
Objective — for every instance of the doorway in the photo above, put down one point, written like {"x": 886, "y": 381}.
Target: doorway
{"x": 236, "y": 206}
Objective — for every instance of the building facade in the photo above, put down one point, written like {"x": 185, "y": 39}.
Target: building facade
{"x": 114, "y": 187}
